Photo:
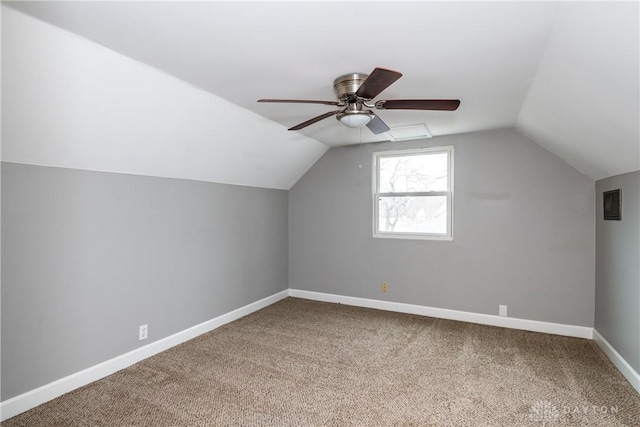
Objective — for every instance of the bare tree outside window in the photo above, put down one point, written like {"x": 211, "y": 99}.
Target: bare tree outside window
{"x": 413, "y": 192}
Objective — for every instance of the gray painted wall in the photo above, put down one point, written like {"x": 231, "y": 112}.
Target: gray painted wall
{"x": 523, "y": 233}
{"x": 617, "y": 311}
{"x": 87, "y": 257}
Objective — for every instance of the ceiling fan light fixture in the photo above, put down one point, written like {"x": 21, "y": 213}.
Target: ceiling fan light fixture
{"x": 355, "y": 119}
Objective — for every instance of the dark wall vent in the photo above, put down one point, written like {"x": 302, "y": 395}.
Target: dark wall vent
{"x": 611, "y": 204}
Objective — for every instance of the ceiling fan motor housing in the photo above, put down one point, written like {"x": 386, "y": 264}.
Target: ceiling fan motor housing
{"x": 346, "y": 86}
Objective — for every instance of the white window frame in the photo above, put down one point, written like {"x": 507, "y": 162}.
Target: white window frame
{"x": 377, "y": 233}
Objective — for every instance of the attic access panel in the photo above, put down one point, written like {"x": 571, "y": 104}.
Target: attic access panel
{"x": 611, "y": 205}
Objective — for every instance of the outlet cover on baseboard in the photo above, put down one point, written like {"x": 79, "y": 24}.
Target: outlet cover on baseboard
{"x": 502, "y": 310}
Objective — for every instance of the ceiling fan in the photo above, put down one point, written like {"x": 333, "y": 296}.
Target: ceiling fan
{"x": 355, "y": 92}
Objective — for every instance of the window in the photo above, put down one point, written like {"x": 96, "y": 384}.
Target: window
{"x": 413, "y": 194}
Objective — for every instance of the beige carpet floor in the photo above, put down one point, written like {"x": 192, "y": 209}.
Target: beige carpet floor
{"x": 306, "y": 363}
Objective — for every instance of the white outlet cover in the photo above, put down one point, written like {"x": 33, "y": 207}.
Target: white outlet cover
{"x": 143, "y": 331}
{"x": 502, "y": 310}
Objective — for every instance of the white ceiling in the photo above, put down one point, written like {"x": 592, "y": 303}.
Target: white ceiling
{"x": 565, "y": 74}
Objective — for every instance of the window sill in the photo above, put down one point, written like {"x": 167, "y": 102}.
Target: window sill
{"x": 413, "y": 236}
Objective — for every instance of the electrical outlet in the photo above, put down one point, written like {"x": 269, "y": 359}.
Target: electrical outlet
{"x": 502, "y": 310}
{"x": 142, "y": 332}
{"x": 385, "y": 287}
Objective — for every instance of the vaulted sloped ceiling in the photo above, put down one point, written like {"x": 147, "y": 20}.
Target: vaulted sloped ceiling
{"x": 170, "y": 88}
{"x": 583, "y": 104}
{"x": 67, "y": 102}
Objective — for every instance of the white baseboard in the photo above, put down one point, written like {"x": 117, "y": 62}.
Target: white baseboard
{"x": 31, "y": 399}
{"x": 625, "y": 369}
{"x": 443, "y": 313}
{"x": 484, "y": 319}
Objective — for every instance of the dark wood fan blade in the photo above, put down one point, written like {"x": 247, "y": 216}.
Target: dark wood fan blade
{"x": 419, "y": 104}
{"x": 377, "y": 126}
{"x": 301, "y": 101}
{"x": 314, "y": 120}
{"x": 378, "y": 80}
